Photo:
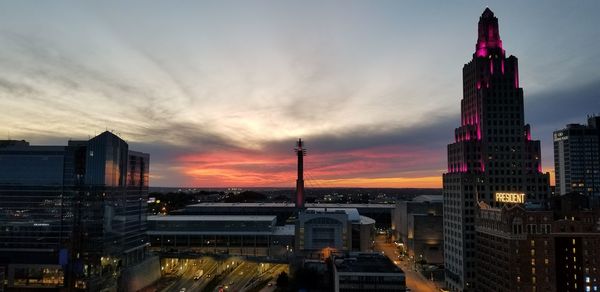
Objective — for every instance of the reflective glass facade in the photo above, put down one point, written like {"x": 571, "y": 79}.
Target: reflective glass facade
{"x": 78, "y": 208}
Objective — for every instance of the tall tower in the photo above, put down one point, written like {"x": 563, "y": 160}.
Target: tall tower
{"x": 577, "y": 158}
{"x": 300, "y": 152}
{"x": 493, "y": 158}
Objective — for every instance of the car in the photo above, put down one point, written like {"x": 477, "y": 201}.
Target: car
{"x": 270, "y": 284}
{"x": 196, "y": 278}
{"x": 182, "y": 290}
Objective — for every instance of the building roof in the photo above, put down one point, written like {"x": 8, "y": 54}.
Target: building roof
{"x": 352, "y": 213}
{"x": 285, "y": 230}
{"x": 212, "y": 218}
{"x": 366, "y": 263}
{"x": 429, "y": 198}
{"x": 291, "y": 205}
{"x": 366, "y": 220}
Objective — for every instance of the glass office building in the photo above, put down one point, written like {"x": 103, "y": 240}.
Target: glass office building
{"x": 71, "y": 215}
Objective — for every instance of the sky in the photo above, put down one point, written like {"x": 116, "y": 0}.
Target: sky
{"x": 219, "y": 91}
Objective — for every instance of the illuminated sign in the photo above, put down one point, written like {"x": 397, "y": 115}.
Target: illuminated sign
{"x": 560, "y": 136}
{"x": 515, "y": 198}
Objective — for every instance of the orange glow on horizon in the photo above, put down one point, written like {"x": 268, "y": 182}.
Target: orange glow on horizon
{"x": 377, "y": 167}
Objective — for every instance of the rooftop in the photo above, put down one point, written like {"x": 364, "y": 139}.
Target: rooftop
{"x": 429, "y": 198}
{"x": 289, "y": 205}
{"x": 285, "y": 230}
{"x": 366, "y": 263}
{"x": 211, "y": 218}
{"x": 352, "y": 213}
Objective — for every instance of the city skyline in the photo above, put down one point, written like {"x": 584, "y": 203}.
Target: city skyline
{"x": 219, "y": 97}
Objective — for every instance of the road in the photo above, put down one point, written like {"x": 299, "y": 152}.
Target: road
{"x": 414, "y": 280}
{"x": 234, "y": 274}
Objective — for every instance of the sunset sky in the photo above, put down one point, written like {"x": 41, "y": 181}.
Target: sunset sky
{"x": 218, "y": 91}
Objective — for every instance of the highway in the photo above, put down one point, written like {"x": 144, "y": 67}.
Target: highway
{"x": 414, "y": 280}
{"x": 214, "y": 274}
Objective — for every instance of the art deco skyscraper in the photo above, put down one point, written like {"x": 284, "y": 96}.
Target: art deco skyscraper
{"x": 493, "y": 158}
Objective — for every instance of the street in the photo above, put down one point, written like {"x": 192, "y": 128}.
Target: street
{"x": 218, "y": 274}
{"x": 414, "y": 280}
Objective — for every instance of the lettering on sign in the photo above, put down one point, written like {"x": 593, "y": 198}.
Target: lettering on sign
{"x": 515, "y": 198}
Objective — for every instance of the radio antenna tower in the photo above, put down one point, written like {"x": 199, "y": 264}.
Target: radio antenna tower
{"x": 300, "y": 152}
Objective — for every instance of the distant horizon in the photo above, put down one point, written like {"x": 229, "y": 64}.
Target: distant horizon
{"x": 290, "y": 188}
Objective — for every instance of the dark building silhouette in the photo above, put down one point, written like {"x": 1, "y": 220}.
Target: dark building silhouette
{"x": 72, "y": 216}
{"x": 493, "y": 158}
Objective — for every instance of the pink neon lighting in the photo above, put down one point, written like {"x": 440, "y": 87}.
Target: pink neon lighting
{"x": 502, "y": 66}
{"x": 478, "y": 84}
{"x": 489, "y": 36}
{"x": 491, "y": 66}
{"x": 481, "y": 52}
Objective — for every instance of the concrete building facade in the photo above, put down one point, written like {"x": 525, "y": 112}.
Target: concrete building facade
{"x": 418, "y": 225}
{"x": 245, "y": 235}
{"x": 338, "y": 229}
{"x": 366, "y": 272}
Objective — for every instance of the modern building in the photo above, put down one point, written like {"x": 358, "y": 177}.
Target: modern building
{"x": 366, "y": 272}
{"x": 75, "y": 215}
{"x": 418, "y": 225}
{"x": 246, "y": 235}
{"x": 520, "y": 248}
{"x": 577, "y": 158}
{"x": 338, "y": 229}
{"x": 286, "y": 212}
{"x": 493, "y": 158}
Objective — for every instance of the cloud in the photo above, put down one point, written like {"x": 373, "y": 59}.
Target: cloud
{"x": 218, "y": 92}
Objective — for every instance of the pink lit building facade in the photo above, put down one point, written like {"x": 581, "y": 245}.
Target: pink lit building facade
{"x": 492, "y": 154}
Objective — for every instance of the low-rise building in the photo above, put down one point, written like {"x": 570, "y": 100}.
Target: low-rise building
{"x": 366, "y": 272}
{"x": 418, "y": 225}
{"x": 339, "y": 229}
{"x": 248, "y": 235}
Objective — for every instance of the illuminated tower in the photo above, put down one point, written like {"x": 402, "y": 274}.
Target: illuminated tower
{"x": 300, "y": 152}
{"x": 493, "y": 158}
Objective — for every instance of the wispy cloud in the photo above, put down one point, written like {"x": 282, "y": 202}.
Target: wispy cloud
{"x": 218, "y": 92}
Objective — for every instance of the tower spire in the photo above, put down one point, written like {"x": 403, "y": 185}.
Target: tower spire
{"x": 300, "y": 153}
{"x": 488, "y": 34}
